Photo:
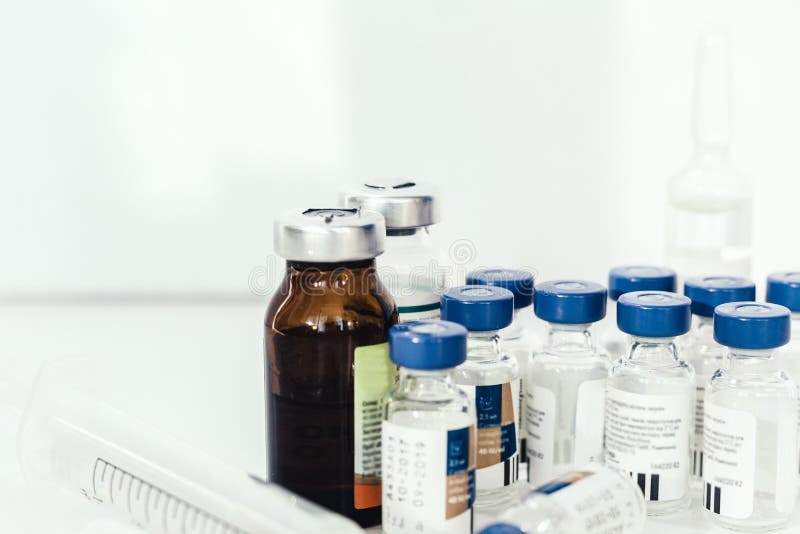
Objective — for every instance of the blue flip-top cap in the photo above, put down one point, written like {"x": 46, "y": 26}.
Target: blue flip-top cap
{"x": 517, "y": 281}
{"x": 629, "y": 278}
{"x": 428, "y": 344}
{"x": 479, "y": 308}
{"x": 570, "y": 301}
{"x": 708, "y": 292}
{"x": 784, "y": 289}
{"x": 501, "y": 528}
{"x": 654, "y": 314}
{"x": 752, "y": 325}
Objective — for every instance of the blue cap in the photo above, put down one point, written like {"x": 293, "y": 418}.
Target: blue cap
{"x": 570, "y": 301}
{"x": 479, "y": 308}
{"x": 654, "y": 314}
{"x": 629, "y": 278}
{"x": 784, "y": 289}
{"x": 501, "y": 528}
{"x": 517, "y": 281}
{"x": 708, "y": 292}
{"x": 428, "y": 344}
{"x": 752, "y": 325}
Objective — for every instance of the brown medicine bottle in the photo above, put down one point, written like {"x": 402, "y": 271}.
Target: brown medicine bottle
{"x": 328, "y": 371}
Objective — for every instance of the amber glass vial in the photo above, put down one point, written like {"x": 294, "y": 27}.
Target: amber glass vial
{"x": 328, "y": 372}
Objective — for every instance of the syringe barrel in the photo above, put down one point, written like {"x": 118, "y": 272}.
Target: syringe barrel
{"x": 150, "y": 478}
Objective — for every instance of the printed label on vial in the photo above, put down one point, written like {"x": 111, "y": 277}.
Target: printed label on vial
{"x": 600, "y": 502}
{"x": 540, "y": 433}
{"x": 373, "y": 377}
{"x": 498, "y": 458}
{"x": 729, "y": 453}
{"x": 699, "y": 418}
{"x": 428, "y": 479}
{"x": 419, "y": 312}
{"x": 648, "y": 436}
{"x": 589, "y": 422}
{"x": 786, "y": 456}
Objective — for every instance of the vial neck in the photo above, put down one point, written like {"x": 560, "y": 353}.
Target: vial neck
{"x": 419, "y": 233}
{"x": 486, "y": 345}
{"x": 425, "y": 381}
{"x": 653, "y": 350}
{"x": 705, "y": 328}
{"x": 750, "y": 361}
{"x": 569, "y": 337}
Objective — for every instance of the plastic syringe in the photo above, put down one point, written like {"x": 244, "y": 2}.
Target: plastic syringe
{"x": 144, "y": 475}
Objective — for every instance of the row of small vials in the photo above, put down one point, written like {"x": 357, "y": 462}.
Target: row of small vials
{"x": 416, "y": 449}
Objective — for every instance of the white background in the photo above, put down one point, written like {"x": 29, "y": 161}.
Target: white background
{"x": 145, "y": 147}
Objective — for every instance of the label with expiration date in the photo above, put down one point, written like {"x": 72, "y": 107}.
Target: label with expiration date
{"x": 649, "y": 437}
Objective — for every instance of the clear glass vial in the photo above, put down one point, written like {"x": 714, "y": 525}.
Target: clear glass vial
{"x": 412, "y": 267}
{"x": 430, "y": 426}
{"x": 784, "y": 289}
{"x": 490, "y": 376}
{"x": 625, "y": 279}
{"x": 593, "y": 500}
{"x": 566, "y": 381}
{"x": 519, "y": 337}
{"x": 699, "y": 348}
{"x": 649, "y": 425}
{"x": 750, "y": 432}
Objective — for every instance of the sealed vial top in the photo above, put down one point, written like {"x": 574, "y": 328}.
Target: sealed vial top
{"x": 654, "y": 314}
{"x": 708, "y": 292}
{"x": 329, "y": 235}
{"x": 478, "y": 308}
{"x": 784, "y": 289}
{"x": 752, "y": 325}
{"x": 518, "y": 281}
{"x": 629, "y": 278}
{"x": 403, "y": 203}
{"x": 570, "y": 301}
{"x": 428, "y": 344}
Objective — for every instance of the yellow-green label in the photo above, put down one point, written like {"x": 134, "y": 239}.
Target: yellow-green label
{"x": 374, "y": 375}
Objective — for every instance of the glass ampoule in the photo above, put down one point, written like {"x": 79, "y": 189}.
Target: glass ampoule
{"x": 750, "y": 431}
{"x": 519, "y": 338}
{"x": 490, "y": 376}
{"x": 709, "y": 202}
{"x": 429, "y": 439}
{"x": 566, "y": 381}
{"x": 412, "y": 267}
{"x": 649, "y": 425}
{"x": 625, "y": 279}
{"x": 698, "y": 346}
{"x": 592, "y": 500}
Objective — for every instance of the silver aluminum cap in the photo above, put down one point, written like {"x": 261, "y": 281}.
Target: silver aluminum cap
{"x": 329, "y": 235}
{"x": 403, "y": 203}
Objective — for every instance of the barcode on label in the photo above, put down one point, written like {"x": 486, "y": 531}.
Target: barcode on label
{"x": 511, "y": 470}
{"x": 649, "y": 484}
{"x": 713, "y": 498}
{"x": 697, "y": 463}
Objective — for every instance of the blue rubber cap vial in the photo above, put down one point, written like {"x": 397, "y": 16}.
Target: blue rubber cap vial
{"x": 708, "y": 292}
{"x": 629, "y": 278}
{"x": 654, "y": 314}
{"x": 752, "y": 325}
{"x": 784, "y": 289}
{"x": 501, "y": 528}
{"x": 570, "y": 301}
{"x": 428, "y": 345}
{"x": 479, "y": 308}
{"x": 517, "y": 281}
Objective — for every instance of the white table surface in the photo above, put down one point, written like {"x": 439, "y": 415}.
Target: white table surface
{"x": 192, "y": 369}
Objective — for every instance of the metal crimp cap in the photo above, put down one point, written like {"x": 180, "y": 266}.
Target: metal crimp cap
{"x": 329, "y": 235}
{"x": 403, "y": 203}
